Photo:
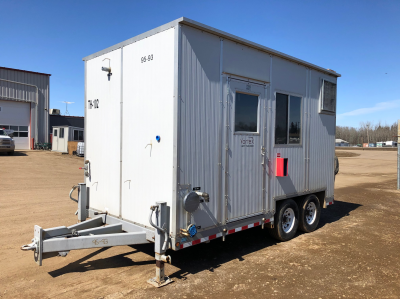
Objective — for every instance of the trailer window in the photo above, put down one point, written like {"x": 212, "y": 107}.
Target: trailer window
{"x": 61, "y": 132}
{"x": 328, "y": 102}
{"x": 287, "y": 119}
{"x": 246, "y": 113}
{"x": 281, "y": 118}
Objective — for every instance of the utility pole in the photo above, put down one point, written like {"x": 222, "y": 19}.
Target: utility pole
{"x": 367, "y": 125}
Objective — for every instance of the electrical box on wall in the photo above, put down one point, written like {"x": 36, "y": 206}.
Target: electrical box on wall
{"x": 281, "y": 166}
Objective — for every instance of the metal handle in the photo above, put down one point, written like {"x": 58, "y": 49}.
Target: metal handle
{"x": 153, "y": 208}
{"x": 72, "y": 190}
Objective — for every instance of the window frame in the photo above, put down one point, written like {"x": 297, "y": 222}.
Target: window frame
{"x": 17, "y": 132}
{"x": 300, "y": 144}
{"x": 63, "y": 133}
{"x": 238, "y": 90}
{"x": 55, "y": 133}
{"x": 73, "y": 134}
{"x": 321, "y": 100}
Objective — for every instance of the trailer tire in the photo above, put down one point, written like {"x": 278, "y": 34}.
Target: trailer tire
{"x": 309, "y": 213}
{"x": 286, "y": 220}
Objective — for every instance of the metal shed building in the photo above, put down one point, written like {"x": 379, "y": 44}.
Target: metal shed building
{"x": 24, "y": 105}
{"x": 63, "y": 134}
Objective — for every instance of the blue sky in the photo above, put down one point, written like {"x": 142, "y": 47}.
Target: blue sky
{"x": 359, "y": 39}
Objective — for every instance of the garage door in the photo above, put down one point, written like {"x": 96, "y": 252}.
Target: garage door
{"x": 16, "y": 116}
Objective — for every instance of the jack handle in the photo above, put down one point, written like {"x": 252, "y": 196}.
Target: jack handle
{"x": 72, "y": 190}
{"x": 153, "y": 208}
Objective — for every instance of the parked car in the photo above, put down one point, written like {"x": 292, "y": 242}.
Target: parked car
{"x": 6, "y": 143}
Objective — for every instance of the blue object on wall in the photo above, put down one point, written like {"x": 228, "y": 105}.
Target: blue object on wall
{"x": 192, "y": 230}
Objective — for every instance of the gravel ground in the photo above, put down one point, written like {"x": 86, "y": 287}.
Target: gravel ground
{"x": 354, "y": 253}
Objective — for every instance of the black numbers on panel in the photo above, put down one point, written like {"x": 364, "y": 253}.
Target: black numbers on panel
{"x": 147, "y": 58}
{"x": 93, "y": 104}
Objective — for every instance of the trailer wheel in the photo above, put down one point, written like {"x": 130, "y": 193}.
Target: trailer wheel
{"x": 286, "y": 220}
{"x": 310, "y": 212}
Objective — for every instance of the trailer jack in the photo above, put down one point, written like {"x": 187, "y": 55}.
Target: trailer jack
{"x": 104, "y": 230}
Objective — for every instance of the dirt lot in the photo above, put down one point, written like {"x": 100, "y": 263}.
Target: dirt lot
{"x": 355, "y": 252}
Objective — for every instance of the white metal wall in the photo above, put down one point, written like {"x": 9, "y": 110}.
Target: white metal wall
{"x": 103, "y": 132}
{"x": 148, "y": 100}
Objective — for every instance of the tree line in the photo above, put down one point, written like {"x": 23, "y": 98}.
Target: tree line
{"x": 367, "y": 131}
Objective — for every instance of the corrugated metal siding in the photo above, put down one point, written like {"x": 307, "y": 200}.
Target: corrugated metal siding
{"x": 199, "y": 119}
{"x": 199, "y": 132}
{"x": 288, "y": 78}
{"x": 311, "y": 165}
{"x": 12, "y": 91}
{"x": 322, "y": 140}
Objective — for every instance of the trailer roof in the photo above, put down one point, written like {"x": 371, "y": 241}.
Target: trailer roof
{"x": 212, "y": 30}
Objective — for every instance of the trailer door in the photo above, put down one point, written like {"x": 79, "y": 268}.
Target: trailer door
{"x": 54, "y": 143}
{"x": 245, "y": 149}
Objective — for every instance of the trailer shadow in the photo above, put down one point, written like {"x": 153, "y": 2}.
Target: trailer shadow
{"x": 205, "y": 256}
{"x": 336, "y": 212}
{"x": 83, "y": 265}
{"x": 216, "y": 253}
{"x": 16, "y": 153}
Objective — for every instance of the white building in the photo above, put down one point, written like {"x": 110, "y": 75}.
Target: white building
{"x": 386, "y": 144}
{"x": 341, "y": 142}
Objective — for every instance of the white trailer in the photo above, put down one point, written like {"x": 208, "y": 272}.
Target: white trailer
{"x": 215, "y": 134}
{"x": 63, "y": 134}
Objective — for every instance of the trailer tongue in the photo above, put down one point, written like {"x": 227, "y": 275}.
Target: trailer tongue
{"x": 104, "y": 230}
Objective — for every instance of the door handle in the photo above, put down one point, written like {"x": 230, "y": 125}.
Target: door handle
{"x": 263, "y": 155}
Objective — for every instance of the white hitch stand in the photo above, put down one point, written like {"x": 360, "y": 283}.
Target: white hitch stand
{"x": 161, "y": 243}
